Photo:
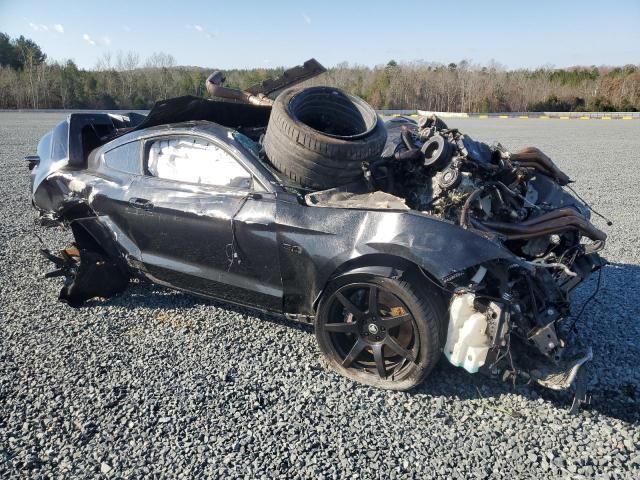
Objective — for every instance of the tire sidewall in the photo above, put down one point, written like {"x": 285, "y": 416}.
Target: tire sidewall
{"x": 285, "y": 101}
{"x": 313, "y": 159}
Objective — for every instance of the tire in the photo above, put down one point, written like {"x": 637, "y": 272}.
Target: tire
{"x": 319, "y": 136}
{"x": 353, "y": 340}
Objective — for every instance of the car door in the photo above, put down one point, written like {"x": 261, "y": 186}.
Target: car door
{"x": 204, "y": 223}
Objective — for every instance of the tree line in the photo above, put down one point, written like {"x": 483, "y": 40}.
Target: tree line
{"x": 28, "y": 79}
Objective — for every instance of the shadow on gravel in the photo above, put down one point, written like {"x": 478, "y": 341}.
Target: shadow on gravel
{"x": 446, "y": 381}
{"x": 148, "y": 295}
{"x": 610, "y": 324}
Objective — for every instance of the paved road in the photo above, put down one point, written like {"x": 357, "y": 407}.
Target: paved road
{"x": 159, "y": 383}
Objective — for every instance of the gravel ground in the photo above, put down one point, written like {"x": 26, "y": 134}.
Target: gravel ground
{"x": 158, "y": 383}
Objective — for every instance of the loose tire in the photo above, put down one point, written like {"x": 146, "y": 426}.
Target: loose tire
{"x": 320, "y": 136}
{"x": 381, "y": 331}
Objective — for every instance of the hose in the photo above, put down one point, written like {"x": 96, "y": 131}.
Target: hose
{"x": 464, "y": 212}
{"x": 412, "y": 152}
{"x": 532, "y": 156}
{"x": 548, "y": 227}
{"x": 559, "y": 213}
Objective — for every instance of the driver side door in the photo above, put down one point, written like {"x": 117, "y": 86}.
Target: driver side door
{"x": 204, "y": 224}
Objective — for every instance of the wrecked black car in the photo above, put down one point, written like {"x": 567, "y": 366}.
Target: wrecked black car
{"x": 399, "y": 241}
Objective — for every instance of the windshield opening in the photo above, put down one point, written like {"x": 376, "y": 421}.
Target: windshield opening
{"x": 256, "y": 151}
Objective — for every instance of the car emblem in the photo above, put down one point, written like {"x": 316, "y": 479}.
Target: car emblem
{"x": 373, "y": 328}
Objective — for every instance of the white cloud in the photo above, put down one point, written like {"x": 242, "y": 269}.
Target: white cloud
{"x": 199, "y": 29}
{"x": 88, "y": 39}
{"x": 306, "y": 17}
{"x": 40, "y": 27}
{"x": 106, "y": 40}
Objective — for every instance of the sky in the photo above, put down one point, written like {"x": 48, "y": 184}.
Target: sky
{"x": 247, "y": 34}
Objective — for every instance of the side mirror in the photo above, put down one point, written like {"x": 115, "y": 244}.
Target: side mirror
{"x": 32, "y": 161}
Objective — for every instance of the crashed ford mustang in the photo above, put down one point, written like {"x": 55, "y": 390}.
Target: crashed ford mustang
{"x": 399, "y": 241}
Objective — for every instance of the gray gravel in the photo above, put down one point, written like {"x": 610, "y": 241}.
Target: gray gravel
{"x": 158, "y": 383}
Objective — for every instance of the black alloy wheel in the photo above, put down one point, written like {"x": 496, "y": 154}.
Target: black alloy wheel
{"x": 380, "y": 331}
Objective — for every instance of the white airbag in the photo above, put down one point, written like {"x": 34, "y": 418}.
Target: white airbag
{"x": 195, "y": 161}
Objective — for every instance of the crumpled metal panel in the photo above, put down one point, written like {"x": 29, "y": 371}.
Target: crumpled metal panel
{"x": 329, "y": 237}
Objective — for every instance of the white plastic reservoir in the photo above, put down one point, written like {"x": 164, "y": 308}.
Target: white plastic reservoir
{"x": 467, "y": 339}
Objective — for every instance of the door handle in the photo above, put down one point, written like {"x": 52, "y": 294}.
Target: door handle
{"x": 141, "y": 203}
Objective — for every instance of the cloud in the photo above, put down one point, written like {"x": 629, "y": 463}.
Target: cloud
{"x": 40, "y": 27}
{"x": 306, "y": 17}
{"x": 199, "y": 29}
{"x": 88, "y": 39}
{"x": 106, "y": 41}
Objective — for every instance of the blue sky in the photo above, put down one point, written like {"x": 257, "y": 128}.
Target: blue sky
{"x": 274, "y": 33}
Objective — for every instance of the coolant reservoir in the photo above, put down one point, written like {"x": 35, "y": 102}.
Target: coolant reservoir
{"x": 467, "y": 340}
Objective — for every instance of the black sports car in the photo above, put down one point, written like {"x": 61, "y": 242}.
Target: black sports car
{"x": 429, "y": 243}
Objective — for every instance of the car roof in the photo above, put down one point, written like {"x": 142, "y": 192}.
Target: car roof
{"x": 198, "y": 126}
{"x": 204, "y": 126}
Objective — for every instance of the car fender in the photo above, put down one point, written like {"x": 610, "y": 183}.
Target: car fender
{"x": 324, "y": 242}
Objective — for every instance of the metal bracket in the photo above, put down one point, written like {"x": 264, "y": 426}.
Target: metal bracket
{"x": 581, "y": 396}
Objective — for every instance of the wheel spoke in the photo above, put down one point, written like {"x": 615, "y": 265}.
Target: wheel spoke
{"x": 396, "y": 321}
{"x": 404, "y": 353}
{"x": 346, "y": 303}
{"x": 373, "y": 301}
{"x": 379, "y": 358}
{"x": 354, "y": 352}
{"x": 341, "y": 327}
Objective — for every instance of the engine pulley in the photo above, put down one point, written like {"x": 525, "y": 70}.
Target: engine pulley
{"x": 437, "y": 150}
{"x": 449, "y": 178}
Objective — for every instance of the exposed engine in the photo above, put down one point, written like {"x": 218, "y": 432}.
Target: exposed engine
{"x": 516, "y": 199}
{"x": 512, "y": 196}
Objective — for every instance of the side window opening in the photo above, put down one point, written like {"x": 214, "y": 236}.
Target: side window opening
{"x": 125, "y": 158}
{"x": 195, "y": 160}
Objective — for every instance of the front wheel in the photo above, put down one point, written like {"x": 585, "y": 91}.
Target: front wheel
{"x": 380, "y": 331}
